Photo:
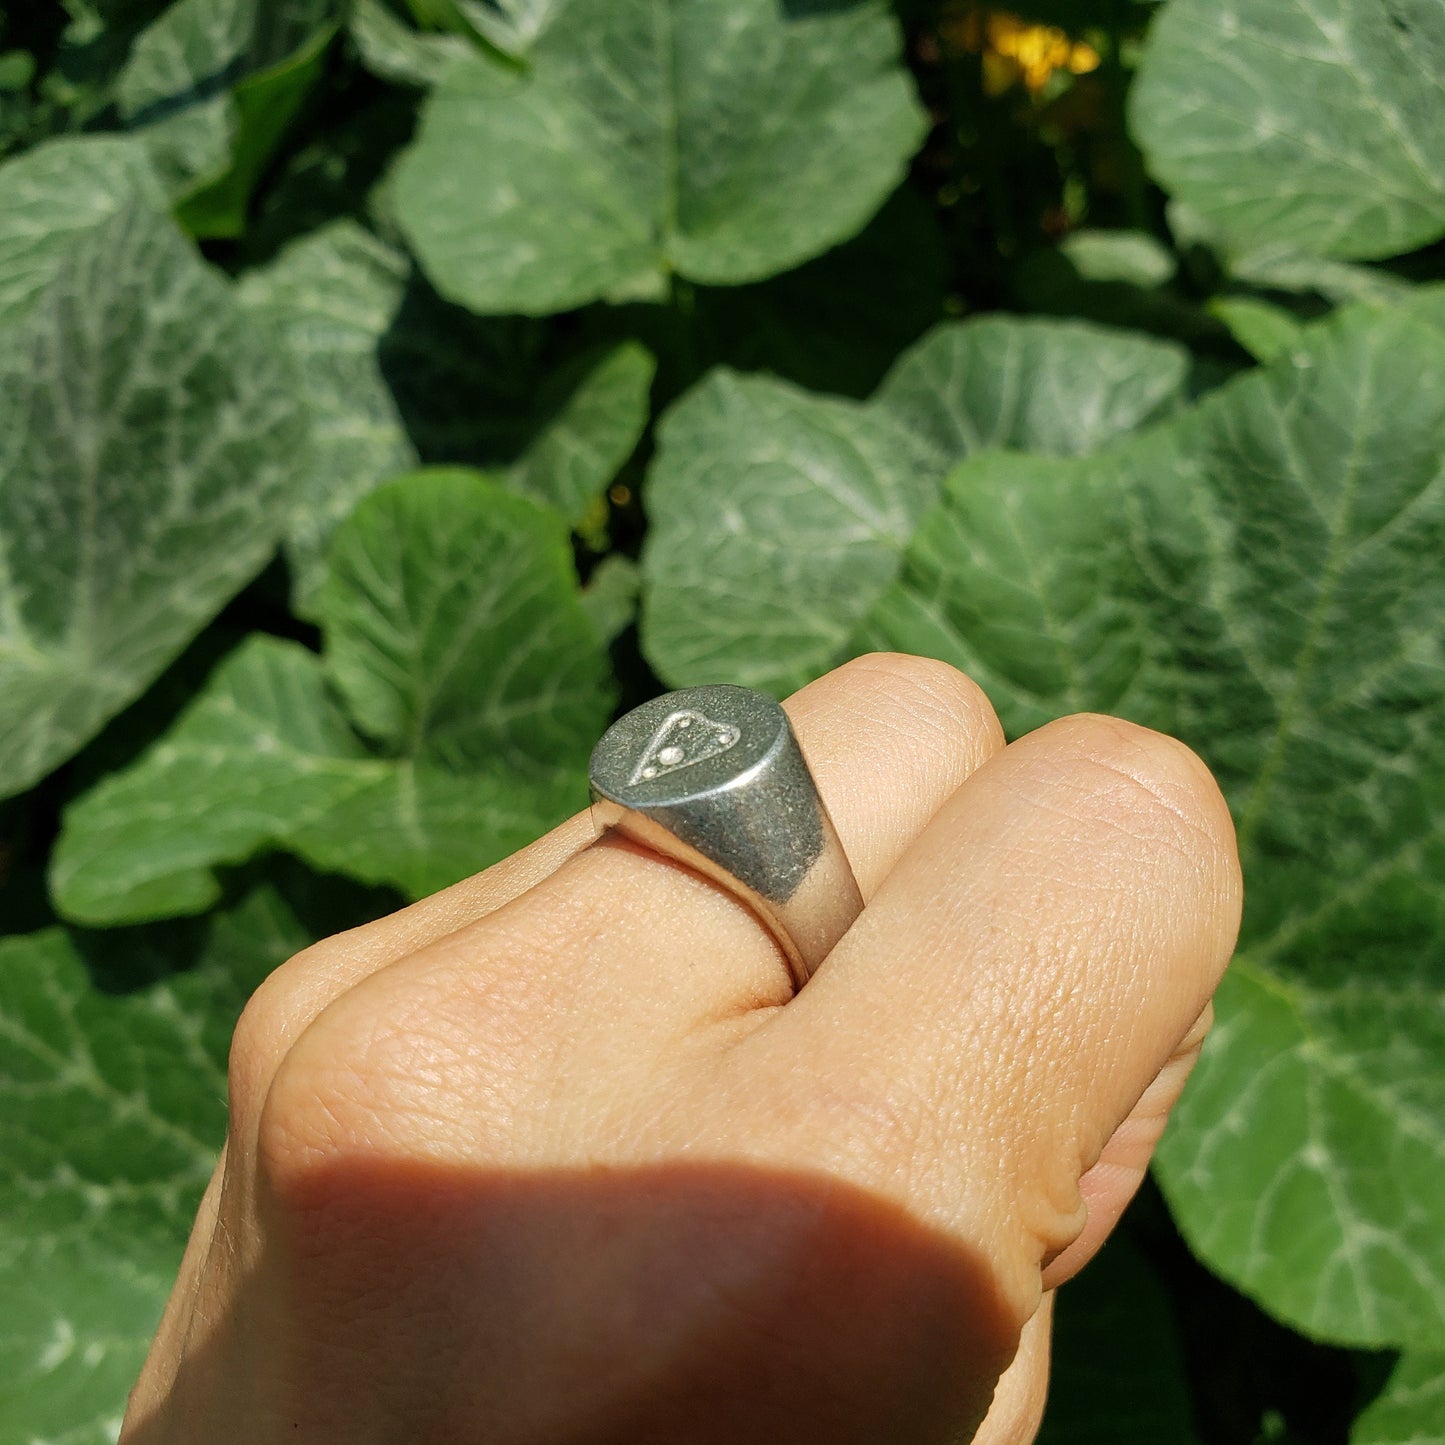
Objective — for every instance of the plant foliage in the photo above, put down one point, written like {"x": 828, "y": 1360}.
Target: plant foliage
{"x": 388, "y": 391}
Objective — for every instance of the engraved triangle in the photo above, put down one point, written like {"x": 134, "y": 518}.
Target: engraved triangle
{"x": 684, "y": 739}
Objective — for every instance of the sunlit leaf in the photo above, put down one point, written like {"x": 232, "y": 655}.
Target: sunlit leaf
{"x": 646, "y": 138}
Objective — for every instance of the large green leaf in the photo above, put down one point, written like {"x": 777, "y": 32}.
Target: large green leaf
{"x": 1263, "y": 577}
{"x": 147, "y": 436}
{"x": 420, "y": 828}
{"x": 1411, "y": 1408}
{"x": 779, "y": 517}
{"x": 391, "y": 377}
{"x": 1025, "y": 577}
{"x": 719, "y": 140}
{"x": 776, "y": 516}
{"x": 1308, "y": 124}
{"x": 330, "y": 297}
{"x": 55, "y": 195}
{"x": 112, "y": 1090}
{"x": 454, "y": 631}
{"x": 1062, "y": 387}
{"x": 456, "y": 636}
{"x": 259, "y": 752}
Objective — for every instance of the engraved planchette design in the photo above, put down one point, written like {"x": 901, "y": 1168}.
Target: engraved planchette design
{"x": 684, "y": 739}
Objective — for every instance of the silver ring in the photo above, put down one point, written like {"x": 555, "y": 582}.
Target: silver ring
{"x": 714, "y": 778}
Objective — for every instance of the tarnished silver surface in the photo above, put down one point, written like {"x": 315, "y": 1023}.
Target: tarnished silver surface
{"x": 713, "y": 777}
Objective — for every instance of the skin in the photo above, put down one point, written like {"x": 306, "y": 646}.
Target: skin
{"x": 555, "y": 1156}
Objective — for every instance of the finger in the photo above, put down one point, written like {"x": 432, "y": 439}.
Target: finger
{"x": 915, "y": 704}
{"x": 1115, "y": 1178}
{"x": 296, "y": 992}
{"x": 887, "y": 739}
{"x": 1018, "y": 1399}
{"x": 617, "y": 940}
{"x": 1018, "y": 981}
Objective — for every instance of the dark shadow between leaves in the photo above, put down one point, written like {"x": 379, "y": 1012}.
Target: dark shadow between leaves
{"x": 125, "y": 959}
{"x": 680, "y": 1303}
{"x": 464, "y": 385}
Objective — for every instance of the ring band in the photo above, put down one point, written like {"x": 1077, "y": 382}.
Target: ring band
{"x": 713, "y": 777}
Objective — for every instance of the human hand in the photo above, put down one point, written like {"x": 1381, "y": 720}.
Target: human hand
{"x": 555, "y": 1156}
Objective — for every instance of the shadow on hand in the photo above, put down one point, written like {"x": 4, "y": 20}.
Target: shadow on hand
{"x": 406, "y": 1302}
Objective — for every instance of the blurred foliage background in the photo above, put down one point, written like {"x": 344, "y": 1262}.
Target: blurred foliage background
{"x": 392, "y": 390}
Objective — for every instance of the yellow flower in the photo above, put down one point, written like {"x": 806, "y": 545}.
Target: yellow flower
{"x": 1013, "y": 49}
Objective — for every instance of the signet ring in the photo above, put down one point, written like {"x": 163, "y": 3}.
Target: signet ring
{"x": 713, "y": 778}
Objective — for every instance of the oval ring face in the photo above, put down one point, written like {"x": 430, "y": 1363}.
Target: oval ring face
{"x": 685, "y": 738}
{"x": 713, "y": 777}
{"x": 685, "y": 745}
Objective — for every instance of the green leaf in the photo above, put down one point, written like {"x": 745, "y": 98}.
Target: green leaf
{"x": 1411, "y": 1408}
{"x": 1025, "y": 577}
{"x": 1134, "y": 258}
{"x": 112, "y": 1088}
{"x": 776, "y": 516}
{"x": 1117, "y": 1373}
{"x": 1261, "y": 576}
{"x": 392, "y": 50}
{"x": 392, "y": 376}
{"x": 1062, "y": 387}
{"x": 55, "y": 195}
{"x": 420, "y": 828}
{"x": 511, "y": 25}
{"x": 1340, "y": 282}
{"x": 455, "y": 633}
{"x": 210, "y": 86}
{"x": 330, "y": 297}
{"x": 264, "y": 103}
{"x": 17, "y": 70}
{"x": 779, "y": 517}
{"x": 173, "y": 91}
{"x": 260, "y": 751}
{"x": 147, "y": 437}
{"x": 1262, "y": 328}
{"x": 1313, "y": 124}
{"x": 647, "y": 138}
{"x": 1427, "y": 303}
{"x": 595, "y": 410}
{"x": 610, "y": 596}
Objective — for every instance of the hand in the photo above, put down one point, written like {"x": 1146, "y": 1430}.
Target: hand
{"x": 554, "y": 1156}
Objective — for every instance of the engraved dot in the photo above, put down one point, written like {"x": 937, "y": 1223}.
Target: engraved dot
{"x": 670, "y": 757}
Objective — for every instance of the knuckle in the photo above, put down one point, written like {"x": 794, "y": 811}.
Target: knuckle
{"x": 326, "y": 1101}
{"x": 935, "y": 692}
{"x": 267, "y": 1027}
{"x": 422, "y": 1067}
{"x": 1153, "y": 776}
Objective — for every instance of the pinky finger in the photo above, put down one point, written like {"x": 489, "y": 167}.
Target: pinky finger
{"x": 1018, "y": 1400}
{"x": 1116, "y": 1175}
